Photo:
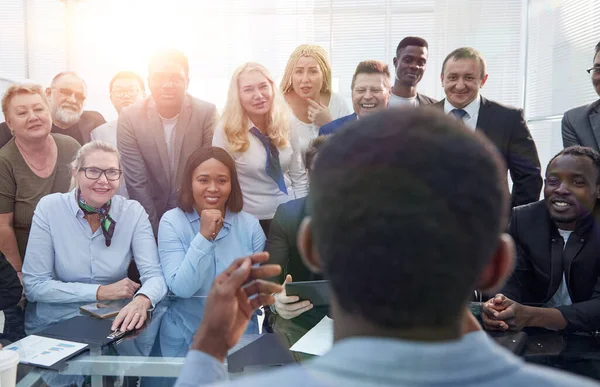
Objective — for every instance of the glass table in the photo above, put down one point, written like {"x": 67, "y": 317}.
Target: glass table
{"x": 155, "y": 355}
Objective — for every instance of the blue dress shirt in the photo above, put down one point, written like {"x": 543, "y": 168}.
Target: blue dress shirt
{"x": 191, "y": 262}
{"x": 66, "y": 263}
{"x": 335, "y": 125}
{"x": 474, "y": 360}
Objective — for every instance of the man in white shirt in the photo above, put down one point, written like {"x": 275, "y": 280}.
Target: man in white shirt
{"x": 126, "y": 88}
{"x": 157, "y": 135}
{"x": 403, "y": 242}
{"x": 463, "y": 74}
{"x": 556, "y": 280}
{"x": 409, "y": 66}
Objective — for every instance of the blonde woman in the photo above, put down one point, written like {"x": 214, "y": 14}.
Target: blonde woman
{"x": 256, "y": 132}
{"x": 81, "y": 243}
{"x": 306, "y": 85}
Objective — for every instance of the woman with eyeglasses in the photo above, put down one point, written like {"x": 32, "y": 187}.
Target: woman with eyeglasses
{"x": 81, "y": 244}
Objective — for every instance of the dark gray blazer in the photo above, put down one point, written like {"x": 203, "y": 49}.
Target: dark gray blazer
{"x": 144, "y": 156}
{"x": 581, "y": 126}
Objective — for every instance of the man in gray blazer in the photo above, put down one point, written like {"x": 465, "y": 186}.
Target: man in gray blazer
{"x": 156, "y": 136}
{"x": 581, "y": 125}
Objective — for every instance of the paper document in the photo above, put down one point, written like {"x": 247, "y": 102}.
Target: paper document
{"x": 43, "y": 351}
{"x": 318, "y": 340}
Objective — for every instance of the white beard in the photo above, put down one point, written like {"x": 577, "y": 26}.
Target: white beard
{"x": 66, "y": 117}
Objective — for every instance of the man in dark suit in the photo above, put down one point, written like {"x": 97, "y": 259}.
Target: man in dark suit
{"x": 463, "y": 74}
{"x": 156, "y": 136}
{"x": 581, "y": 125}
{"x": 66, "y": 94}
{"x": 558, "y": 242}
{"x": 409, "y": 65}
{"x": 290, "y": 317}
{"x": 370, "y": 93}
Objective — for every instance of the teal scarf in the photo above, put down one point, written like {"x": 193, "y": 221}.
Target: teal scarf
{"x": 106, "y": 222}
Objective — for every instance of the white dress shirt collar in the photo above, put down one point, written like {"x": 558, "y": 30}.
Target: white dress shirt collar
{"x": 472, "y": 109}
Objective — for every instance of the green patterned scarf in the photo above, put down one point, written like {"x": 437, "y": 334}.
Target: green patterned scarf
{"x": 106, "y": 222}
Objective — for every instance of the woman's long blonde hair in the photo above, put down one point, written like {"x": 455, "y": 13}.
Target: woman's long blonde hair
{"x": 313, "y": 51}
{"x": 235, "y": 120}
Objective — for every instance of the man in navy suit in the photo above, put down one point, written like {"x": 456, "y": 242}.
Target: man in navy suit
{"x": 463, "y": 74}
{"x": 370, "y": 93}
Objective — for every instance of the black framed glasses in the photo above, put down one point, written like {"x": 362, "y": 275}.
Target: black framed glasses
{"x": 79, "y": 97}
{"x": 94, "y": 173}
{"x": 594, "y": 72}
{"x": 122, "y": 93}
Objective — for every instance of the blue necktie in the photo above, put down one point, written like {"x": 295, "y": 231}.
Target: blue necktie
{"x": 459, "y": 113}
{"x": 273, "y": 167}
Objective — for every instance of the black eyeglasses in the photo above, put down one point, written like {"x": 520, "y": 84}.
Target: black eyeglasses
{"x": 94, "y": 173}
{"x": 594, "y": 72}
{"x": 79, "y": 97}
{"x": 122, "y": 93}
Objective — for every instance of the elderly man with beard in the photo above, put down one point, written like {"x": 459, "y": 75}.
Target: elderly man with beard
{"x": 67, "y": 93}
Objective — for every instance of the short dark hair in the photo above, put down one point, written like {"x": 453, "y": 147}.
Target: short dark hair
{"x": 312, "y": 150}
{"x": 185, "y": 197}
{"x": 408, "y": 205}
{"x": 371, "y": 67}
{"x": 466, "y": 53}
{"x": 582, "y": 151}
{"x": 596, "y": 51}
{"x": 411, "y": 41}
{"x": 171, "y": 55}
{"x": 127, "y": 75}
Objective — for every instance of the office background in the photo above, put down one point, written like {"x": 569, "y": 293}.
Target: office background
{"x": 536, "y": 50}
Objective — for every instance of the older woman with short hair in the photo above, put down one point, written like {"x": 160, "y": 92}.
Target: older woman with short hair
{"x": 82, "y": 242}
{"x": 307, "y": 88}
{"x": 33, "y": 164}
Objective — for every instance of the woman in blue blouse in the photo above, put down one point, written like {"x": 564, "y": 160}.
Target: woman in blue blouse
{"x": 209, "y": 230}
{"x": 82, "y": 242}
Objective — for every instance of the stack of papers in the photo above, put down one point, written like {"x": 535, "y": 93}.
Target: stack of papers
{"x": 44, "y": 352}
{"x": 318, "y": 340}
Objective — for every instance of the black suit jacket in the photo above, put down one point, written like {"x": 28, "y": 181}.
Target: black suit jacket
{"x": 283, "y": 250}
{"x": 541, "y": 262}
{"x": 10, "y": 286}
{"x": 281, "y": 242}
{"x": 581, "y": 126}
{"x": 506, "y": 128}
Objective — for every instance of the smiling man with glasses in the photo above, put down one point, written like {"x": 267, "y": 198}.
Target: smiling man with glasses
{"x": 581, "y": 125}
{"x": 126, "y": 88}
{"x": 66, "y": 94}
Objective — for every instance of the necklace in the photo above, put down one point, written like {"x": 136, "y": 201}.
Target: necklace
{"x": 29, "y": 161}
